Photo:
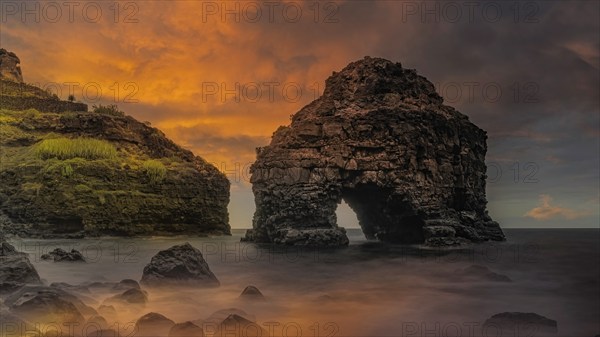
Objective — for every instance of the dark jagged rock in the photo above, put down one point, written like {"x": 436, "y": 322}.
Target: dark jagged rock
{"x": 381, "y": 139}
{"x": 15, "y": 269}
{"x": 153, "y": 324}
{"x": 47, "y": 304}
{"x": 148, "y": 186}
{"x": 61, "y": 255}
{"x": 10, "y": 66}
{"x": 186, "y": 329}
{"x": 510, "y": 323}
{"x": 178, "y": 265}
{"x": 252, "y": 292}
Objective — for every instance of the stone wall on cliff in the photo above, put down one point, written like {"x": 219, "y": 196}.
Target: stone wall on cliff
{"x": 412, "y": 169}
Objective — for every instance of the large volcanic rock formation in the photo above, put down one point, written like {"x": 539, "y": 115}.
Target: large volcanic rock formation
{"x": 380, "y": 138}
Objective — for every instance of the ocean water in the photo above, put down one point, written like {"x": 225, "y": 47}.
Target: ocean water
{"x": 366, "y": 289}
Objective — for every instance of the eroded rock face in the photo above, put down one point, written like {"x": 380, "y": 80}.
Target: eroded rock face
{"x": 380, "y": 138}
{"x": 10, "y": 68}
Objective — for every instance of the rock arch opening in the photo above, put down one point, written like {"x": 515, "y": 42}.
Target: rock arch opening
{"x": 384, "y": 215}
{"x": 347, "y": 218}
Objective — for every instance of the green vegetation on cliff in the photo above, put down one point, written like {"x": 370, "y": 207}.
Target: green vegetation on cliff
{"x": 102, "y": 173}
{"x": 66, "y": 148}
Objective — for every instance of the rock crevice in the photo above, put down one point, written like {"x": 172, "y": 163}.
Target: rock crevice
{"x": 380, "y": 137}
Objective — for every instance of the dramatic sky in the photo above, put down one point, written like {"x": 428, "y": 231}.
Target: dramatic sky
{"x": 220, "y": 77}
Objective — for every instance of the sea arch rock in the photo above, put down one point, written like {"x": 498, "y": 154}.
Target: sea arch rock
{"x": 380, "y": 137}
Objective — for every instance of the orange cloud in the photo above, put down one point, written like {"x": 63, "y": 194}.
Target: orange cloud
{"x": 223, "y": 79}
{"x": 546, "y": 211}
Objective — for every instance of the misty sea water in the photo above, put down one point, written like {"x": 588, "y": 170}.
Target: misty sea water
{"x": 367, "y": 289}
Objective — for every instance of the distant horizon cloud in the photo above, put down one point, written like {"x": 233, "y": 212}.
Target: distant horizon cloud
{"x": 546, "y": 211}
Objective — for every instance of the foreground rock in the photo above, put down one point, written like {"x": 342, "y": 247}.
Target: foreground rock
{"x": 127, "y": 178}
{"x": 60, "y": 255}
{"x": 521, "y": 324}
{"x": 186, "y": 329}
{"x": 252, "y": 293}
{"x": 107, "y": 311}
{"x": 217, "y": 317}
{"x": 179, "y": 265}
{"x": 236, "y": 325}
{"x": 130, "y": 296}
{"x": 71, "y": 288}
{"x": 153, "y": 324}
{"x": 15, "y": 269}
{"x": 380, "y": 138}
{"x": 126, "y": 284}
{"x": 46, "y": 305}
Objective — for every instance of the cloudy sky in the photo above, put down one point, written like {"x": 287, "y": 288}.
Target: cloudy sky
{"x": 220, "y": 77}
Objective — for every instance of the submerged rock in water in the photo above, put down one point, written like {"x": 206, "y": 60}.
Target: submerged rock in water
{"x": 236, "y": 325}
{"x": 70, "y": 287}
{"x": 130, "y": 296}
{"x": 126, "y": 284}
{"x": 530, "y": 324}
{"x": 252, "y": 292}
{"x": 219, "y": 316}
{"x": 47, "y": 304}
{"x": 380, "y": 138}
{"x": 61, "y": 255}
{"x": 15, "y": 269}
{"x": 153, "y": 324}
{"x": 179, "y": 265}
{"x": 186, "y": 329}
{"x": 481, "y": 273}
{"x": 107, "y": 310}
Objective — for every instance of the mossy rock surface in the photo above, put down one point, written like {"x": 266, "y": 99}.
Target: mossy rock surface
{"x": 147, "y": 186}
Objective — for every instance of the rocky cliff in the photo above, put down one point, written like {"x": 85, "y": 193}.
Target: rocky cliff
{"x": 70, "y": 172}
{"x": 380, "y": 137}
{"x": 10, "y": 66}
